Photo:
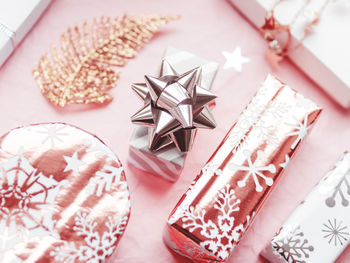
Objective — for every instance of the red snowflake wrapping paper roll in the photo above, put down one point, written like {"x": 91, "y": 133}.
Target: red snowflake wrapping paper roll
{"x": 63, "y": 196}
{"x": 318, "y": 230}
{"x": 211, "y": 217}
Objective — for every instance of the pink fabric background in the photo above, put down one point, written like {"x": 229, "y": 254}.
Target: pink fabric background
{"x": 207, "y": 28}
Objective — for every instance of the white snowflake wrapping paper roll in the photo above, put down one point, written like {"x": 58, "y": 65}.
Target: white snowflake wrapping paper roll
{"x": 318, "y": 229}
{"x": 168, "y": 162}
{"x": 63, "y": 196}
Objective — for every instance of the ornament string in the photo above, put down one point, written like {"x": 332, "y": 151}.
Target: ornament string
{"x": 273, "y": 31}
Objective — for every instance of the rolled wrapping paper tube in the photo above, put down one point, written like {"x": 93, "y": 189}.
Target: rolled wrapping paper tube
{"x": 218, "y": 207}
{"x": 318, "y": 229}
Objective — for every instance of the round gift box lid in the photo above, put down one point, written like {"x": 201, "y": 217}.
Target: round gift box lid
{"x": 63, "y": 196}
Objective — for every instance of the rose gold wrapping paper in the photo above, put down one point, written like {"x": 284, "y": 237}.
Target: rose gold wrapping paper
{"x": 63, "y": 196}
{"x": 211, "y": 217}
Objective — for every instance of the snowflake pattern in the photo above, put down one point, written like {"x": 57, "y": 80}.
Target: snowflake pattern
{"x": 30, "y": 197}
{"x": 300, "y": 130}
{"x": 53, "y": 132}
{"x": 335, "y": 232}
{"x": 285, "y": 164}
{"x": 291, "y": 244}
{"x": 26, "y": 202}
{"x": 257, "y": 116}
{"x": 254, "y": 171}
{"x": 340, "y": 189}
{"x": 211, "y": 169}
{"x": 103, "y": 180}
{"x": 97, "y": 247}
{"x": 220, "y": 237}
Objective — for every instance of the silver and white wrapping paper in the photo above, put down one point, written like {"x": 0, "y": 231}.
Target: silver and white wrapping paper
{"x": 318, "y": 229}
{"x": 17, "y": 17}
{"x": 168, "y": 162}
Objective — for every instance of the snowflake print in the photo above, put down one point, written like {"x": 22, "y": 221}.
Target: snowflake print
{"x": 211, "y": 169}
{"x": 266, "y": 133}
{"x": 301, "y": 130}
{"x": 291, "y": 244}
{"x": 254, "y": 171}
{"x": 277, "y": 109}
{"x": 99, "y": 149}
{"x": 285, "y": 164}
{"x": 26, "y": 202}
{"x": 103, "y": 180}
{"x": 258, "y": 116}
{"x": 97, "y": 247}
{"x": 111, "y": 174}
{"x": 221, "y": 236}
{"x": 304, "y": 102}
{"x": 334, "y": 231}
{"x": 53, "y": 133}
{"x": 342, "y": 188}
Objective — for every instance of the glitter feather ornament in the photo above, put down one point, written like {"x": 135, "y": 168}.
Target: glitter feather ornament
{"x": 82, "y": 72}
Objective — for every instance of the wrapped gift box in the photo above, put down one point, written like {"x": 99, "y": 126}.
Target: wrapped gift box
{"x": 324, "y": 55}
{"x": 168, "y": 162}
{"x": 16, "y": 18}
{"x": 319, "y": 228}
{"x": 220, "y": 205}
{"x": 63, "y": 196}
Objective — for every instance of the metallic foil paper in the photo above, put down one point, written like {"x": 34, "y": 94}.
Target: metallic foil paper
{"x": 175, "y": 105}
{"x": 319, "y": 228}
{"x": 63, "y": 196}
{"x": 168, "y": 161}
{"x": 211, "y": 217}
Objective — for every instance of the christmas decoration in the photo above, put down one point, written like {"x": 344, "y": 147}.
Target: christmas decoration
{"x": 63, "y": 196}
{"x": 280, "y": 46}
{"x": 223, "y": 200}
{"x": 175, "y": 105}
{"x": 318, "y": 229}
{"x": 310, "y": 33}
{"x": 82, "y": 72}
{"x": 235, "y": 59}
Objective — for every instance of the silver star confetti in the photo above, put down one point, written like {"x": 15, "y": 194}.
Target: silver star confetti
{"x": 235, "y": 59}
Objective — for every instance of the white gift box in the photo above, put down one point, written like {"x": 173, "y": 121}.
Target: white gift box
{"x": 16, "y": 18}
{"x": 168, "y": 162}
{"x": 324, "y": 54}
{"x": 319, "y": 228}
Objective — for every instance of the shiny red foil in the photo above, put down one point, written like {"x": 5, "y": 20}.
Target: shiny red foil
{"x": 63, "y": 196}
{"x": 219, "y": 206}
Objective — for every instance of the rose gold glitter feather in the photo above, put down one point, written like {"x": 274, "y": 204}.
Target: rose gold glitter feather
{"x": 81, "y": 72}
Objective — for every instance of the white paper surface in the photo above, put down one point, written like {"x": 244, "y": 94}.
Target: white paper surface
{"x": 325, "y": 54}
{"x": 18, "y": 16}
{"x": 319, "y": 228}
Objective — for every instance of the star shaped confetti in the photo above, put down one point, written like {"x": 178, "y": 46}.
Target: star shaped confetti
{"x": 175, "y": 105}
{"x": 73, "y": 163}
{"x": 235, "y": 59}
